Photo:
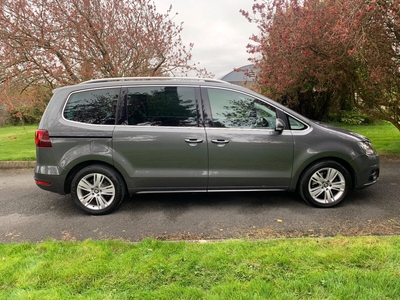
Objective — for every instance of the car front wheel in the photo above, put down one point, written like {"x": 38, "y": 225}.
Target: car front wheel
{"x": 97, "y": 189}
{"x": 325, "y": 184}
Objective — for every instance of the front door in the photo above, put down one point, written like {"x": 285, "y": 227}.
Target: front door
{"x": 245, "y": 151}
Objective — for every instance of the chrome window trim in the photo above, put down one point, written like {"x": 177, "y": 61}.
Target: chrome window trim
{"x": 166, "y": 127}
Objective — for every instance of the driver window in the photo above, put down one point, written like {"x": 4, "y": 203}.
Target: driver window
{"x": 235, "y": 110}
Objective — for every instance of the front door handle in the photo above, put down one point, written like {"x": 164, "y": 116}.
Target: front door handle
{"x": 193, "y": 142}
{"x": 220, "y": 142}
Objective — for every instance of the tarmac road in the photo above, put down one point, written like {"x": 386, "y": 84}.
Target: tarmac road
{"x": 28, "y": 213}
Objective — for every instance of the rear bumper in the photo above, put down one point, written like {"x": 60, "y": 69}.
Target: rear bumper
{"x": 49, "y": 178}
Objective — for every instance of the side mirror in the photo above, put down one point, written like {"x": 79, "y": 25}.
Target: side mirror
{"x": 279, "y": 125}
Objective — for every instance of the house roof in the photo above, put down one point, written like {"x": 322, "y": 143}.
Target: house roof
{"x": 239, "y": 75}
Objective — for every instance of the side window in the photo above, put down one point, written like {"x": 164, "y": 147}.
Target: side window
{"x": 161, "y": 106}
{"x": 235, "y": 110}
{"x": 296, "y": 125}
{"x": 92, "y": 107}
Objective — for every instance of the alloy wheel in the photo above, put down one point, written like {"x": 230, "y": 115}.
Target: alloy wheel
{"x": 327, "y": 185}
{"x": 96, "y": 191}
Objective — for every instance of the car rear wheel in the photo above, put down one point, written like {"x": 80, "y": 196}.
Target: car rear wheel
{"x": 97, "y": 189}
{"x": 325, "y": 184}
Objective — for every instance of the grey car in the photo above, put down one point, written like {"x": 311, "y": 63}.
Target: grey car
{"x": 106, "y": 138}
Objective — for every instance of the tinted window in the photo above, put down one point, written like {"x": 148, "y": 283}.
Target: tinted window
{"x": 93, "y": 107}
{"x": 161, "y": 106}
{"x": 235, "y": 110}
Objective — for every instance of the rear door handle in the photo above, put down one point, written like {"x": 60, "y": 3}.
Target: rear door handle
{"x": 220, "y": 142}
{"x": 193, "y": 142}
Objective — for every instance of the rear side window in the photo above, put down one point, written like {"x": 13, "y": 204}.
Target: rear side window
{"x": 92, "y": 107}
{"x": 160, "y": 106}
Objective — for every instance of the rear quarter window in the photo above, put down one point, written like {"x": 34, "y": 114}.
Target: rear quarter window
{"x": 92, "y": 107}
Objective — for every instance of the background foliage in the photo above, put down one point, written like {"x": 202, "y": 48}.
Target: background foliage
{"x": 320, "y": 57}
{"x": 48, "y": 43}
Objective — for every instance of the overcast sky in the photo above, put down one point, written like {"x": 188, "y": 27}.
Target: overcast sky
{"x": 218, "y": 30}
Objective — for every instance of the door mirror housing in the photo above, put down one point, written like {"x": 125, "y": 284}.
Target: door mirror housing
{"x": 279, "y": 125}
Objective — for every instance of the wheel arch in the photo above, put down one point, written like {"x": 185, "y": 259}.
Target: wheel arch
{"x": 76, "y": 168}
{"x": 344, "y": 163}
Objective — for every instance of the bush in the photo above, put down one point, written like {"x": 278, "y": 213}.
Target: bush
{"x": 352, "y": 117}
{"x": 23, "y": 105}
{"x": 25, "y": 114}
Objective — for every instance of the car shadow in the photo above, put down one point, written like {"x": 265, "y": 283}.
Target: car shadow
{"x": 239, "y": 200}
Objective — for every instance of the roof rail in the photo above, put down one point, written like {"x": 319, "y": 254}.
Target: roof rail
{"x": 153, "y": 78}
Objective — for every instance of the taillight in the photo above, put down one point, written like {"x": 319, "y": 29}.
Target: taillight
{"x": 40, "y": 182}
{"x": 42, "y": 138}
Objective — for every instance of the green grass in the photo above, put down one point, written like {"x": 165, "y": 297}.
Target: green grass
{"x": 17, "y": 143}
{"x": 334, "y": 268}
{"x": 384, "y": 136}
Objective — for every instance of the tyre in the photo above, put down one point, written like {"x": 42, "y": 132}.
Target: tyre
{"x": 97, "y": 189}
{"x": 325, "y": 184}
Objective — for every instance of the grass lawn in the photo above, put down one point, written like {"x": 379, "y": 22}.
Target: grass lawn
{"x": 17, "y": 143}
{"x": 384, "y": 136}
{"x": 334, "y": 268}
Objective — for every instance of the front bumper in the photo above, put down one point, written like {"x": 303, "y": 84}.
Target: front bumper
{"x": 368, "y": 172}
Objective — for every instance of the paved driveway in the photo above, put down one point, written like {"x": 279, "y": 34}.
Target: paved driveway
{"x": 30, "y": 214}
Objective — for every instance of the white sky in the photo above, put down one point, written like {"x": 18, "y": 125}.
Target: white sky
{"x": 218, "y": 30}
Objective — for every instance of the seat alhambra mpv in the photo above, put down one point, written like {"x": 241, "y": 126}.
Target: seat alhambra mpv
{"x": 106, "y": 138}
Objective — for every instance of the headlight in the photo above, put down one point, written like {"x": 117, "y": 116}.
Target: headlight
{"x": 367, "y": 147}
